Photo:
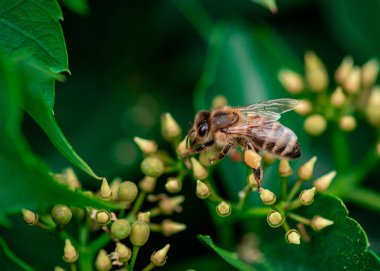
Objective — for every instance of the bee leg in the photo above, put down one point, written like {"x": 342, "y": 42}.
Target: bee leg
{"x": 202, "y": 147}
{"x": 223, "y": 153}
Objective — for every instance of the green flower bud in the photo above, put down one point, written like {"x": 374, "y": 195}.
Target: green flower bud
{"x": 173, "y": 185}
{"x": 305, "y": 172}
{"x": 169, "y": 127}
{"x": 267, "y": 196}
{"x": 199, "y": 172}
{"x": 127, "y": 191}
{"x": 323, "y": 182}
{"x": 203, "y": 191}
{"x": 275, "y": 219}
{"x": 284, "y": 169}
{"x": 291, "y": 81}
{"x": 102, "y": 217}
{"x": 318, "y": 223}
{"x": 307, "y": 196}
{"x": 61, "y": 214}
{"x": 140, "y": 233}
{"x": 144, "y": 217}
{"x": 159, "y": 258}
{"x": 120, "y": 229}
{"x": 304, "y": 107}
{"x": 70, "y": 254}
{"x": 145, "y": 145}
{"x": 170, "y": 227}
{"x": 124, "y": 253}
{"x": 147, "y": 184}
{"x": 223, "y": 209}
{"x": 30, "y": 217}
{"x": 152, "y": 166}
{"x": 293, "y": 237}
{"x": 103, "y": 262}
{"x": 105, "y": 190}
{"x": 315, "y": 125}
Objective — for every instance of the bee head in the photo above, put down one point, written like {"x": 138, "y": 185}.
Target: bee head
{"x": 200, "y": 130}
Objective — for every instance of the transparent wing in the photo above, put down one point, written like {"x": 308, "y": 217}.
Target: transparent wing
{"x": 271, "y": 109}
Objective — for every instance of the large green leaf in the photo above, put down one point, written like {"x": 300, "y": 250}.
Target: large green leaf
{"x": 228, "y": 256}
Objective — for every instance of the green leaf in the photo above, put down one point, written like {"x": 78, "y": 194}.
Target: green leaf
{"x": 16, "y": 260}
{"x": 342, "y": 246}
{"x": 77, "y": 6}
{"x": 269, "y": 4}
{"x": 228, "y": 256}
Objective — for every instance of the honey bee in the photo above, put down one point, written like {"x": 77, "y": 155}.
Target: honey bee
{"x": 254, "y": 127}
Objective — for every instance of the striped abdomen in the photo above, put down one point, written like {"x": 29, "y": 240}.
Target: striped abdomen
{"x": 276, "y": 139}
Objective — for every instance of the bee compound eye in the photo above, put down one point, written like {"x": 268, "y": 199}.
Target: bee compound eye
{"x": 203, "y": 129}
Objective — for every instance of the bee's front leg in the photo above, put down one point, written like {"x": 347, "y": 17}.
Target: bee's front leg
{"x": 223, "y": 153}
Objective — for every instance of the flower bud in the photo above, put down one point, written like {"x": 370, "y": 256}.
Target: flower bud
{"x": 145, "y": 145}
{"x": 305, "y": 172}
{"x": 352, "y": 82}
{"x": 344, "y": 69}
{"x": 199, "y": 172}
{"x": 124, "y": 253}
{"x": 293, "y": 237}
{"x": 170, "y": 205}
{"x": 61, "y": 214}
{"x": 115, "y": 187}
{"x": 316, "y": 74}
{"x": 103, "y": 217}
{"x": 318, "y": 223}
{"x": 202, "y": 190}
{"x": 291, "y": 81}
{"x": 170, "y": 227}
{"x": 304, "y": 107}
{"x": 219, "y": 101}
{"x": 269, "y": 158}
{"x": 284, "y": 169}
{"x": 105, "y": 190}
{"x": 338, "y": 98}
{"x": 173, "y": 185}
{"x": 120, "y": 229}
{"x": 58, "y": 268}
{"x": 70, "y": 255}
{"x": 182, "y": 149}
{"x": 139, "y": 233}
{"x": 373, "y": 107}
{"x": 103, "y": 262}
{"x": 370, "y": 70}
{"x": 307, "y": 196}
{"x": 30, "y": 217}
{"x": 315, "y": 125}
{"x": 251, "y": 180}
{"x": 223, "y": 209}
{"x": 127, "y": 191}
{"x": 207, "y": 158}
{"x": 323, "y": 182}
{"x": 275, "y": 219}
{"x": 378, "y": 149}
{"x": 147, "y": 184}
{"x": 267, "y": 196}
{"x": 347, "y": 123}
{"x": 159, "y": 258}
{"x": 252, "y": 159}
{"x": 144, "y": 217}
{"x": 71, "y": 179}
{"x": 152, "y": 166}
{"x": 169, "y": 127}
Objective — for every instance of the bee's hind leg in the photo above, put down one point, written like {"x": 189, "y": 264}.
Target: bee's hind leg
{"x": 222, "y": 153}
{"x": 257, "y": 172}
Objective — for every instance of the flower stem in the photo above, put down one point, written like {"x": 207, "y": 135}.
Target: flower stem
{"x": 294, "y": 190}
{"x": 299, "y": 218}
{"x": 73, "y": 267}
{"x": 341, "y": 150}
{"x": 135, "y": 251}
{"x": 284, "y": 186}
{"x": 136, "y": 206}
{"x": 149, "y": 267}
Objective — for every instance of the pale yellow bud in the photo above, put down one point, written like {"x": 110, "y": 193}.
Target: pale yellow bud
{"x": 199, "y": 172}
{"x": 169, "y": 127}
{"x": 30, "y": 217}
{"x": 170, "y": 227}
{"x": 267, "y": 196}
{"x": 71, "y": 179}
{"x": 305, "y": 172}
{"x": 323, "y": 182}
{"x": 127, "y": 191}
{"x": 352, "y": 82}
{"x": 202, "y": 190}
{"x": 252, "y": 159}
{"x": 58, "y": 268}
{"x": 170, "y": 205}
{"x": 315, "y": 125}
{"x": 318, "y": 223}
{"x": 373, "y": 107}
{"x": 105, "y": 190}
{"x": 293, "y": 237}
{"x": 307, "y": 196}
{"x": 144, "y": 216}
{"x": 316, "y": 74}
{"x": 124, "y": 253}
{"x": 103, "y": 217}
{"x": 173, "y": 185}
{"x": 304, "y": 107}
{"x": 344, "y": 69}
{"x": 139, "y": 233}
{"x": 147, "y": 184}
{"x": 223, "y": 209}
{"x": 347, "y": 123}
{"x": 219, "y": 101}
{"x": 152, "y": 166}
{"x": 370, "y": 71}
{"x": 291, "y": 81}
{"x": 284, "y": 169}
{"x": 251, "y": 180}
{"x": 269, "y": 158}
{"x": 115, "y": 187}
{"x": 275, "y": 219}
{"x": 70, "y": 254}
{"x": 103, "y": 262}
{"x": 145, "y": 145}
{"x": 338, "y": 98}
{"x": 159, "y": 258}
{"x": 182, "y": 149}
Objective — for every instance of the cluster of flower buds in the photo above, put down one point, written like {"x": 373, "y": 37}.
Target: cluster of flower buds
{"x": 355, "y": 93}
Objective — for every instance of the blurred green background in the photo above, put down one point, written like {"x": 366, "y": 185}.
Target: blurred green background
{"x": 130, "y": 61}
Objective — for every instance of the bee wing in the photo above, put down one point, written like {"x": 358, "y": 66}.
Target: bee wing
{"x": 270, "y": 110}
